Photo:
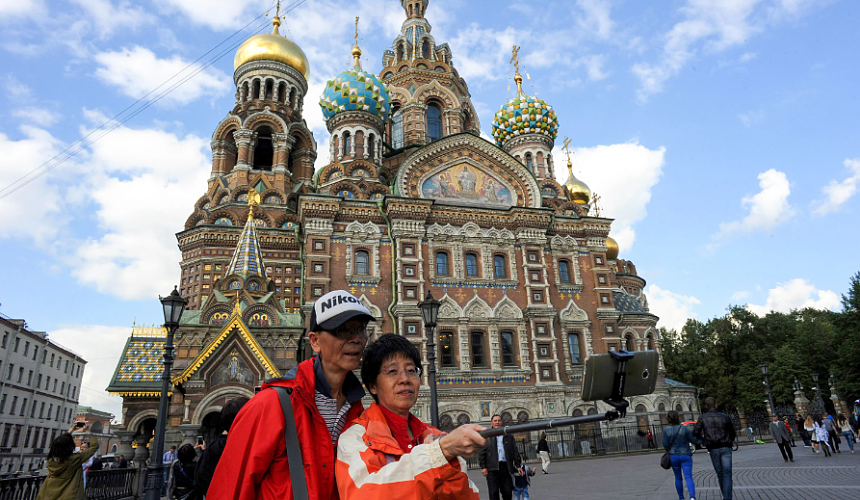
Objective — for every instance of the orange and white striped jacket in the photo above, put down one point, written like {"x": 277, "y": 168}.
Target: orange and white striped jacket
{"x": 371, "y": 465}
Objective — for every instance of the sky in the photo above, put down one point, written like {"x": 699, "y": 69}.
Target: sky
{"x": 721, "y": 136}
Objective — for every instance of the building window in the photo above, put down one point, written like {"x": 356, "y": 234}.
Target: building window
{"x": 26, "y": 348}
{"x": 650, "y": 343}
{"x": 508, "y": 349}
{"x": 530, "y": 162}
{"x": 628, "y": 342}
{"x": 499, "y": 266}
{"x": 478, "y": 349}
{"x": 546, "y": 372}
{"x": 411, "y": 328}
{"x": 347, "y": 144}
{"x": 604, "y": 299}
{"x": 598, "y": 260}
{"x": 542, "y": 328}
{"x": 471, "y": 265}
{"x": 609, "y": 329}
{"x": 35, "y": 352}
{"x": 5, "y": 339}
{"x": 17, "y": 343}
{"x": 434, "y": 122}
{"x": 543, "y": 350}
{"x": 397, "y": 129}
{"x": 446, "y": 349}
{"x": 573, "y": 341}
{"x": 564, "y": 271}
{"x": 537, "y": 296}
{"x": 408, "y": 249}
{"x": 442, "y": 264}
{"x": 362, "y": 262}
{"x": 409, "y": 271}
{"x": 10, "y": 369}
{"x": 20, "y": 374}
{"x": 601, "y": 279}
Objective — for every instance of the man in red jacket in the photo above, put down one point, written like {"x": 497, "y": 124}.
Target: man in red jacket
{"x": 326, "y": 398}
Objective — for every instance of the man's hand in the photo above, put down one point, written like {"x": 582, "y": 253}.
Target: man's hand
{"x": 522, "y": 472}
{"x": 484, "y": 471}
{"x": 464, "y": 441}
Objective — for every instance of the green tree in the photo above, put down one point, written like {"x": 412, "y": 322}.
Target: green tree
{"x": 847, "y": 343}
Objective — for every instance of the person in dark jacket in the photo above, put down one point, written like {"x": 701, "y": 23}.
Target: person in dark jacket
{"x": 122, "y": 463}
{"x": 522, "y": 481}
{"x": 498, "y": 463}
{"x": 212, "y": 454}
{"x": 180, "y": 485}
{"x": 717, "y": 433}
{"x": 678, "y": 441}
{"x": 543, "y": 451}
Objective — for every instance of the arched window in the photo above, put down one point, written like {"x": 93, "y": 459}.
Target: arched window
{"x": 270, "y": 89}
{"x": 628, "y": 342}
{"x": 522, "y": 417}
{"x": 425, "y": 50}
{"x": 478, "y": 349}
{"x": 500, "y": 267}
{"x": 508, "y": 349}
{"x": 246, "y": 91}
{"x": 507, "y": 419}
{"x": 564, "y": 271}
{"x": 371, "y": 146}
{"x": 264, "y": 151}
{"x": 347, "y": 144}
{"x": 650, "y": 343}
{"x": 641, "y": 409}
{"x": 434, "y": 122}
{"x": 575, "y": 353}
{"x": 293, "y": 100}
{"x": 463, "y": 419}
{"x": 442, "y": 264}
{"x": 282, "y": 92}
{"x": 577, "y": 412}
{"x": 445, "y": 423}
{"x": 446, "y": 349}
{"x": 255, "y": 92}
{"x": 397, "y": 129}
{"x": 529, "y": 162}
{"x": 471, "y": 265}
{"x": 362, "y": 262}
{"x": 679, "y": 408}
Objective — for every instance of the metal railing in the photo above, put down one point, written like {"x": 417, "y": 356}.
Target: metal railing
{"x": 593, "y": 439}
{"x": 20, "y": 487}
{"x": 110, "y": 484}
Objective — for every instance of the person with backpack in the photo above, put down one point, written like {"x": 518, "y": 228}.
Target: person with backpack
{"x": 717, "y": 433}
{"x": 210, "y": 457}
{"x": 322, "y": 396}
{"x": 678, "y": 442}
{"x": 180, "y": 482}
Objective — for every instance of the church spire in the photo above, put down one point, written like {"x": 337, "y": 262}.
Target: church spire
{"x": 248, "y": 258}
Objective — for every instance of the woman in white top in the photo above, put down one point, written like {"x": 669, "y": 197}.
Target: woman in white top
{"x": 809, "y": 427}
{"x": 822, "y": 435}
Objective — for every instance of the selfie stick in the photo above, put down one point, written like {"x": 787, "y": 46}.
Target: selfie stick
{"x": 616, "y": 400}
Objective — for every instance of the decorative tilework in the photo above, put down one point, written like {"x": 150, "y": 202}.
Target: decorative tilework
{"x": 355, "y": 89}
{"x": 141, "y": 361}
{"x": 524, "y": 115}
{"x": 247, "y": 259}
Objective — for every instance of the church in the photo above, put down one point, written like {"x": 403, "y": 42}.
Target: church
{"x": 411, "y": 200}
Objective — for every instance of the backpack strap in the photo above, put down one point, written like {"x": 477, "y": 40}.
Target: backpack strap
{"x": 294, "y": 451}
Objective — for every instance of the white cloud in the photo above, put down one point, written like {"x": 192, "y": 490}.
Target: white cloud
{"x": 673, "y": 308}
{"x": 35, "y": 211}
{"x": 739, "y": 296}
{"x": 597, "y": 17}
{"x": 107, "y": 17}
{"x": 747, "y": 57}
{"x": 10, "y": 9}
{"x": 795, "y": 294}
{"x": 838, "y": 193}
{"x": 623, "y": 175}
{"x": 752, "y": 118}
{"x": 100, "y": 346}
{"x": 484, "y": 53}
{"x": 767, "y": 209}
{"x": 594, "y": 66}
{"x": 138, "y": 71}
{"x": 129, "y": 259}
{"x": 16, "y": 90}
{"x": 38, "y": 116}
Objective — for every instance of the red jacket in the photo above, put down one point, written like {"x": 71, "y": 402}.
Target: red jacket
{"x": 254, "y": 462}
{"x": 372, "y": 466}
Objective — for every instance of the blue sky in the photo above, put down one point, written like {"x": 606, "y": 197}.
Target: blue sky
{"x": 722, "y": 136}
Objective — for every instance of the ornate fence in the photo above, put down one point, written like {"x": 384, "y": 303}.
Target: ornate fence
{"x": 109, "y": 484}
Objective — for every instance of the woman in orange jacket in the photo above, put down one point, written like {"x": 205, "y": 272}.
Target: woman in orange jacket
{"x": 389, "y": 454}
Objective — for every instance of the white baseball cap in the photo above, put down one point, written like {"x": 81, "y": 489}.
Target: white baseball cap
{"x": 336, "y": 308}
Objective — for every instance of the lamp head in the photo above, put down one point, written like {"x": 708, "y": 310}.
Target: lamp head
{"x": 430, "y": 310}
{"x": 763, "y": 369}
{"x": 174, "y": 305}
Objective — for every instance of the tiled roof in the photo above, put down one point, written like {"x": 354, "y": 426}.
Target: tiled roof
{"x": 627, "y": 303}
{"x": 247, "y": 259}
{"x": 140, "y": 366}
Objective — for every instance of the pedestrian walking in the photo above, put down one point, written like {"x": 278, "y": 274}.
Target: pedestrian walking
{"x": 779, "y": 434}
{"x": 388, "y": 452}
{"x": 121, "y": 462}
{"x": 325, "y": 397}
{"x": 65, "y": 479}
{"x": 543, "y": 451}
{"x": 497, "y": 462}
{"x": 212, "y": 454}
{"x": 832, "y": 435}
{"x": 650, "y": 436}
{"x": 799, "y": 424}
{"x": 788, "y": 429}
{"x": 522, "y": 481}
{"x": 847, "y": 432}
{"x": 180, "y": 483}
{"x": 167, "y": 459}
{"x": 717, "y": 433}
{"x": 750, "y": 434}
{"x": 821, "y": 435}
{"x": 679, "y": 442}
{"x": 809, "y": 427}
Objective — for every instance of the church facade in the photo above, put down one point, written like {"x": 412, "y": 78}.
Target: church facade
{"x": 411, "y": 200}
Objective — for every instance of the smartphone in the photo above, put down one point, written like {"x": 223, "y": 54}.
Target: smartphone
{"x": 600, "y": 375}
{"x": 199, "y": 439}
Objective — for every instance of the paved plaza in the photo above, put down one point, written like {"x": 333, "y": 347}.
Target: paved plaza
{"x": 759, "y": 473}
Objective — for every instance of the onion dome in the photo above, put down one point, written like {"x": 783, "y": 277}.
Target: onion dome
{"x": 273, "y": 47}
{"x": 611, "y": 249}
{"x": 524, "y": 115}
{"x": 577, "y": 191}
{"x": 355, "y": 90}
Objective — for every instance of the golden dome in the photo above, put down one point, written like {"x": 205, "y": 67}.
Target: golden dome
{"x": 611, "y": 249}
{"x": 577, "y": 191}
{"x": 273, "y": 47}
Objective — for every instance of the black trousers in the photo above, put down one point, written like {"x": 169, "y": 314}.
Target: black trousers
{"x": 785, "y": 447}
{"x": 500, "y": 481}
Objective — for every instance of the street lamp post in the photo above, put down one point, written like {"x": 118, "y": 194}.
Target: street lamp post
{"x": 819, "y": 403}
{"x": 173, "y": 306}
{"x": 763, "y": 368}
{"x": 430, "y": 313}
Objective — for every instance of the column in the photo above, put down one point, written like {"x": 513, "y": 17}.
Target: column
{"x": 189, "y": 433}
{"x": 244, "y": 140}
{"x": 124, "y": 447}
{"x": 283, "y": 144}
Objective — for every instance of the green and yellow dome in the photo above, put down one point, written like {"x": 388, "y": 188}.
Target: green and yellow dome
{"x": 524, "y": 115}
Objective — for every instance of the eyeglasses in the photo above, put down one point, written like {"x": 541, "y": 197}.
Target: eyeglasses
{"x": 395, "y": 373}
{"x": 345, "y": 333}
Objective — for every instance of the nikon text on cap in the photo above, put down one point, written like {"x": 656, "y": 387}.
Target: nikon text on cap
{"x": 336, "y": 308}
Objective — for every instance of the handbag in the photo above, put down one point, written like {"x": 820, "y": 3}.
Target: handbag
{"x": 665, "y": 460}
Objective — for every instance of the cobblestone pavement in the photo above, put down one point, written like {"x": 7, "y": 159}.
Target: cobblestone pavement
{"x": 759, "y": 473}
